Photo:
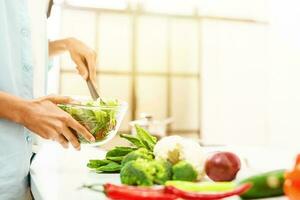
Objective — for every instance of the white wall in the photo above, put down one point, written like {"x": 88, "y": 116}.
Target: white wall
{"x": 234, "y": 84}
{"x": 284, "y": 99}
{"x": 250, "y": 79}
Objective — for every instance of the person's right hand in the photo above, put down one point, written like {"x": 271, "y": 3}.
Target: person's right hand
{"x": 43, "y": 117}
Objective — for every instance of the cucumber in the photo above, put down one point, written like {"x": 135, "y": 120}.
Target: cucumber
{"x": 265, "y": 185}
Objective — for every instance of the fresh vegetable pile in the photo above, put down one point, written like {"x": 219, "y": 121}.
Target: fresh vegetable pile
{"x": 99, "y": 117}
{"x": 143, "y": 165}
{"x": 179, "y": 164}
{"x": 149, "y": 162}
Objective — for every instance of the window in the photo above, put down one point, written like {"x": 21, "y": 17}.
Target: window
{"x": 149, "y": 61}
{"x": 151, "y": 57}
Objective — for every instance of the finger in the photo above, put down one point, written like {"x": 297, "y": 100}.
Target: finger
{"x": 82, "y": 68}
{"x": 62, "y": 140}
{"x": 82, "y": 72}
{"x": 71, "y": 138}
{"x": 72, "y": 123}
{"x": 48, "y": 134}
{"x": 74, "y": 101}
{"x": 59, "y": 99}
{"x": 91, "y": 63}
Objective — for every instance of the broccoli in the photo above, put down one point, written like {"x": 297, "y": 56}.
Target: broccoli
{"x": 184, "y": 171}
{"x": 134, "y": 155}
{"x": 163, "y": 171}
{"x": 137, "y": 172}
{"x": 146, "y": 172}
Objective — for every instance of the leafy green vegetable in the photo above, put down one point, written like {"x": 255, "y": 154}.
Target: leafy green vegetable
{"x": 117, "y": 154}
{"x": 146, "y": 139}
{"x": 97, "y": 163}
{"x": 140, "y": 153}
{"x": 117, "y": 159}
{"x": 99, "y": 121}
{"x": 133, "y": 140}
{"x": 104, "y": 165}
{"x": 184, "y": 171}
{"x": 142, "y": 140}
{"x": 120, "y": 151}
{"x": 110, "y": 167}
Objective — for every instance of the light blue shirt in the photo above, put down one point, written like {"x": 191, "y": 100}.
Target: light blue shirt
{"x": 16, "y": 78}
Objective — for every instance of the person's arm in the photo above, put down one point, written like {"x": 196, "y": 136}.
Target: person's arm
{"x": 57, "y": 47}
{"x": 43, "y": 117}
{"x": 12, "y": 107}
{"x": 83, "y": 56}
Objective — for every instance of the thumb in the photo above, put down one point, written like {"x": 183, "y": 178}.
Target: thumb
{"x": 59, "y": 99}
{"x": 82, "y": 71}
{"x": 82, "y": 68}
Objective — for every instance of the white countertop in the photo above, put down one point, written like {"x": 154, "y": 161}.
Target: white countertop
{"x": 57, "y": 174}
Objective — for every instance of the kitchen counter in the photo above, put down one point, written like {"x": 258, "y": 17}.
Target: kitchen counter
{"x": 58, "y": 174}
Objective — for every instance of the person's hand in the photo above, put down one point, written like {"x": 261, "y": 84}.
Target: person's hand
{"x": 43, "y": 117}
{"x": 84, "y": 57}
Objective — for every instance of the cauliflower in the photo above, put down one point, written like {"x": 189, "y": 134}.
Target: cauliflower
{"x": 176, "y": 148}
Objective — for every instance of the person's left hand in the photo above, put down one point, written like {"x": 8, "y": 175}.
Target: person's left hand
{"x": 84, "y": 57}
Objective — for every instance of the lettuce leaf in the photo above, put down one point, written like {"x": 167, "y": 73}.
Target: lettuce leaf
{"x": 99, "y": 117}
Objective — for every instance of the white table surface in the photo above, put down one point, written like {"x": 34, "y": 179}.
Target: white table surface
{"x": 57, "y": 174}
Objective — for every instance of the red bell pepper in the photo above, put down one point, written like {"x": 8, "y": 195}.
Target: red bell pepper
{"x": 121, "y": 192}
{"x": 292, "y": 182}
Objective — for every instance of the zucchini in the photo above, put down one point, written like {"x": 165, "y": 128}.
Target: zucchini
{"x": 265, "y": 185}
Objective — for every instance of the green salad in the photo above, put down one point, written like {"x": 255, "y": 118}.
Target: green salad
{"x": 99, "y": 117}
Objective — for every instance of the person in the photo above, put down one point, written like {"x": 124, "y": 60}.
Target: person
{"x": 20, "y": 112}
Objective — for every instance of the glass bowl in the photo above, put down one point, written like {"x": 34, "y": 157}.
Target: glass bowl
{"x": 103, "y": 121}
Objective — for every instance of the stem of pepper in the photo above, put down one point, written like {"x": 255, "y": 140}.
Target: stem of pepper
{"x": 92, "y": 187}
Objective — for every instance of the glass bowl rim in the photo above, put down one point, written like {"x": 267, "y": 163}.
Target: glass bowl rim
{"x": 122, "y": 104}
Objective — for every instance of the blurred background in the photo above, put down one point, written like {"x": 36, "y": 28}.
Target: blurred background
{"x": 223, "y": 71}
